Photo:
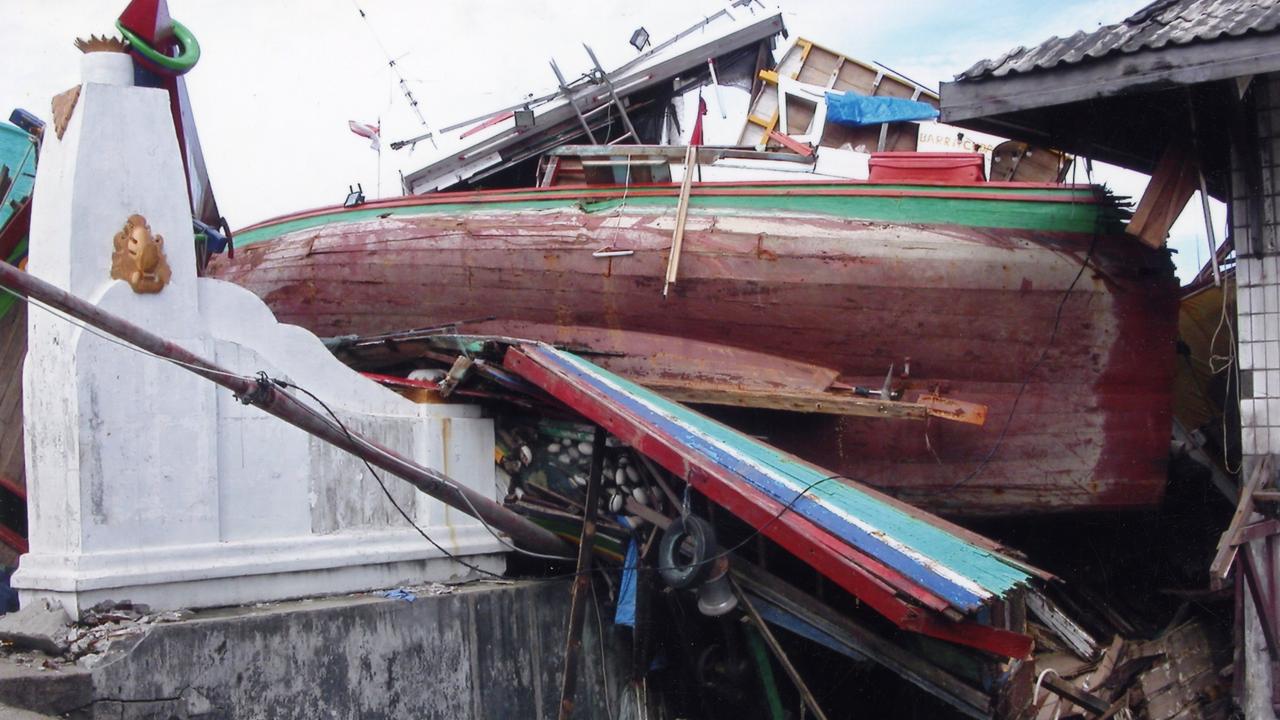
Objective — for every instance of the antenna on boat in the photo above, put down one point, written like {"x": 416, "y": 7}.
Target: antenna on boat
{"x": 404, "y": 85}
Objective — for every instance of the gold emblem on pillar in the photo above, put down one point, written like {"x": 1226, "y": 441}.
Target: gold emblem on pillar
{"x": 139, "y": 257}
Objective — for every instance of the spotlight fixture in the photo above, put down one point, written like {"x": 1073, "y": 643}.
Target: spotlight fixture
{"x": 640, "y": 38}
{"x": 524, "y": 117}
{"x": 355, "y": 196}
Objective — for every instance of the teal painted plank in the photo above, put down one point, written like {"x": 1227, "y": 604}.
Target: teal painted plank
{"x": 17, "y": 153}
{"x": 985, "y": 568}
{"x": 996, "y": 211}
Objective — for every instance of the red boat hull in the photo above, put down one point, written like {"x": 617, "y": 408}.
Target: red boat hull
{"x": 1078, "y": 383}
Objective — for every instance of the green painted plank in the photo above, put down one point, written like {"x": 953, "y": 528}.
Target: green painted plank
{"x": 18, "y": 154}
{"x": 986, "y": 568}
{"x": 995, "y": 212}
{"x": 7, "y": 300}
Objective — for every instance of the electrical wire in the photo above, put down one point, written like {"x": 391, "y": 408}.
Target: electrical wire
{"x": 1044, "y": 353}
{"x": 337, "y": 422}
{"x": 385, "y": 491}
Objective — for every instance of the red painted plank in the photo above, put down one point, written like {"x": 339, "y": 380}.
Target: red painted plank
{"x": 878, "y": 586}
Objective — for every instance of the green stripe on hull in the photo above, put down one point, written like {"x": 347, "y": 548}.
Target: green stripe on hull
{"x": 7, "y": 300}
{"x": 999, "y": 210}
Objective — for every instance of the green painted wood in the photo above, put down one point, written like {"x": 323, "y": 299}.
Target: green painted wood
{"x": 7, "y": 300}
{"x": 16, "y": 153}
{"x": 1001, "y": 208}
{"x": 989, "y": 570}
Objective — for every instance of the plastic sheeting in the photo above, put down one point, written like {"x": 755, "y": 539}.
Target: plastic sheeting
{"x": 856, "y": 110}
{"x": 626, "y": 614}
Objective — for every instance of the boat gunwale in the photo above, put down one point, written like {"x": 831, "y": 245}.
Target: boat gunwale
{"x": 1068, "y": 194}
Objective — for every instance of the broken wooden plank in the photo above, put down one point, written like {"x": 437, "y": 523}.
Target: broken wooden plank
{"x": 1172, "y": 184}
{"x": 1063, "y": 689}
{"x": 826, "y": 403}
{"x": 682, "y": 213}
{"x": 1227, "y": 545}
{"x": 791, "y": 144}
{"x": 1077, "y": 638}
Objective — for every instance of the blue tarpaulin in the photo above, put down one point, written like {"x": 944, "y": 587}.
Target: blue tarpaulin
{"x": 626, "y": 614}
{"x": 857, "y": 110}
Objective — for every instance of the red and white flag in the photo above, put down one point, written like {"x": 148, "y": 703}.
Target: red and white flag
{"x": 366, "y": 130}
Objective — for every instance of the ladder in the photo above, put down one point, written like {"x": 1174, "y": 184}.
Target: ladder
{"x": 614, "y": 101}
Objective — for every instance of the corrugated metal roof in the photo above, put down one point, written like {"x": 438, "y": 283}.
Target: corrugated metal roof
{"x": 1162, "y": 23}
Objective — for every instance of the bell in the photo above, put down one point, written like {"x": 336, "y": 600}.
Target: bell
{"x": 715, "y": 596}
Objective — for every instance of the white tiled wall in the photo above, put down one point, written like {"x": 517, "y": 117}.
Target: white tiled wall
{"x": 1258, "y": 280}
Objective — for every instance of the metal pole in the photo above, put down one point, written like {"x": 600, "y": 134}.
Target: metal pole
{"x": 284, "y": 406}
{"x": 578, "y": 603}
{"x": 622, "y": 111}
{"x": 568, "y": 95}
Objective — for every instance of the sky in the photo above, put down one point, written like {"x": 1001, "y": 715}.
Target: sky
{"x": 279, "y": 79}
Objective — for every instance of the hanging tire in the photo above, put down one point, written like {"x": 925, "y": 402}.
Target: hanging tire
{"x": 685, "y": 552}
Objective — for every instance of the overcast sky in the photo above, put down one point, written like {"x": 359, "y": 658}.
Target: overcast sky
{"x": 279, "y": 79}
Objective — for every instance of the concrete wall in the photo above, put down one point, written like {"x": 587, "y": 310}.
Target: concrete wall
{"x": 484, "y": 651}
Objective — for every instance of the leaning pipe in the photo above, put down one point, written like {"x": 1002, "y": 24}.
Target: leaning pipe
{"x": 272, "y": 400}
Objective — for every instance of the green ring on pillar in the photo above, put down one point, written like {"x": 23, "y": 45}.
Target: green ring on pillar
{"x": 179, "y": 65}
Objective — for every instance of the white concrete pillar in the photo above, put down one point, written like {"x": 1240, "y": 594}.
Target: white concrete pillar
{"x": 145, "y": 482}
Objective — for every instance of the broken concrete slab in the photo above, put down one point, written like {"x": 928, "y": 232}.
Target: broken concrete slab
{"x": 38, "y": 625}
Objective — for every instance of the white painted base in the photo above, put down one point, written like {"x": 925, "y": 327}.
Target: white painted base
{"x": 148, "y": 483}
{"x": 241, "y": 573}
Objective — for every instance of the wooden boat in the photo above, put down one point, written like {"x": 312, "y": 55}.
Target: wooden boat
{"x": 1026, "y": 298}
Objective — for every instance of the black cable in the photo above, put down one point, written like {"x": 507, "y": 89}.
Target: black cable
{"x": 342, "y": 426}
{"x": 256, "y": 394}
{"x": 1044, "y": 353}
{"x": 724, "y": 553}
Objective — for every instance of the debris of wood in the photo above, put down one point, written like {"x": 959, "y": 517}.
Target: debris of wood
{"x": 1076, "y": 637}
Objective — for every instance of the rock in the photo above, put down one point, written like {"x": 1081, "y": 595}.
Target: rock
{"x": 37, "y": 626}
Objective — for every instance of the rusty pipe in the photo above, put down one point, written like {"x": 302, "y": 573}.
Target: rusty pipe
{"x": 273, "y": 401}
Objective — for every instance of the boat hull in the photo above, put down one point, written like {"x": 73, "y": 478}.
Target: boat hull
{"x": 795, "y": 292}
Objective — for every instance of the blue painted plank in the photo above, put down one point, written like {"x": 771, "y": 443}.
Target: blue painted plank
{"x": 940, "y": 561}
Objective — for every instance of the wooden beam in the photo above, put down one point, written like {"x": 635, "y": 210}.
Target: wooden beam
{"x": 682, "y": 213}
{"x": 791, "y": 144}
{"x": 823, "y": 402}
{"x": 1063, "y": 689}
{"x": 1227, "y": 545}
{"x": 1172, "y": 184}
{"x": 582, "y": 581}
